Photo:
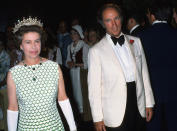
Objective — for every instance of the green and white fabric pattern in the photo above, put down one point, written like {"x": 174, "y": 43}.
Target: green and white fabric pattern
{"x": 37, "y": 89}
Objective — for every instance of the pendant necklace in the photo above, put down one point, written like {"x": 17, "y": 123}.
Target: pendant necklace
{"x": 33, "y": 68}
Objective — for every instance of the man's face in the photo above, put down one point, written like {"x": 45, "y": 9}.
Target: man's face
{"x": 129, "y": 24}
{"x": 62, "y": 27}
{"x": 175, "y": 15}
{"x": 150, "y": 18}
{"x": 112, "y": 22}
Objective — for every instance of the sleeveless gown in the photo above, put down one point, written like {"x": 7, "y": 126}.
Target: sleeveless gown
{"x": 36, "y": 90}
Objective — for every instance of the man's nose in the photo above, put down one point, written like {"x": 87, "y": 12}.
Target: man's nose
{"x": 113, "y": 22}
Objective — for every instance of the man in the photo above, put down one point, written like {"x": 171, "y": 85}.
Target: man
{"x": 64, "y": 39}
{"x": 133, "y": 23}
{"x": 75, "y": 21}
{"x": 119, "y": 88}
{"x": 160, "y": 45}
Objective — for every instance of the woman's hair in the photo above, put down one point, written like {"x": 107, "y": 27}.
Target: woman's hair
{"x": 94, "y": 29}
{"x": 18, "y": 36}
{"x": 72, "y": 29}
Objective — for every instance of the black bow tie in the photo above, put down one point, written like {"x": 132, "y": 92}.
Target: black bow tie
{"x": 120, "y": 40}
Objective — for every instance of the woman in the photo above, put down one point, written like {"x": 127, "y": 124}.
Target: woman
{"x": 93, "y": 36}
{"x": 35, "y": 84}
{"x": 77, "y": 59}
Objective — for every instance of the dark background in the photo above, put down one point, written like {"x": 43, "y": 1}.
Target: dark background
{"x": 52, "y": 11}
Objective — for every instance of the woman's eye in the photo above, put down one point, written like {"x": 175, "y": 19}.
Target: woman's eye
{"x": 27, "y": 42}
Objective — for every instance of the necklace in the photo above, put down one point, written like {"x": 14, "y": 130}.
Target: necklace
{"x": 76, "y": 48}
{"x": 33, "y": 68}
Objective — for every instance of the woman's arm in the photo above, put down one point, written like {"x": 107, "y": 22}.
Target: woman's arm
{"x": 12, "y": 111}
{"x": 11, "y": 92}
{"x": 64, "y": 103}
{"x": 69, "y": 63}
{"x": 61, "y": 87}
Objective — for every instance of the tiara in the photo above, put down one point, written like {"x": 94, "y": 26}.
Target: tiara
{"x": 27, "y": 22}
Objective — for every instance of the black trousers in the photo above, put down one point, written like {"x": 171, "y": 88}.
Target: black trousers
{"x": 132, "y": 119}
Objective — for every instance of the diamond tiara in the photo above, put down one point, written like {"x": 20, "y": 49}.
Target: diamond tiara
{"x": 29, "y": 21}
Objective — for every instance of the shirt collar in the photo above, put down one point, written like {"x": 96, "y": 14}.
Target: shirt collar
{"x": 159, "y": 21}
{"x": 65, "y": 34}
{"x": 134, "y": 28}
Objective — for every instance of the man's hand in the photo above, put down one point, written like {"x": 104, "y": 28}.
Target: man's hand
{"x": 99, "y": 126}
{"x": 80, "y": 65}
{"x": 71, "y": 64}
{"x": 149, "y": 114}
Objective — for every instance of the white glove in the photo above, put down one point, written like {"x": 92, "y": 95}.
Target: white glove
{"x": 12, "y": 118}
{"x": 68, "y": 113}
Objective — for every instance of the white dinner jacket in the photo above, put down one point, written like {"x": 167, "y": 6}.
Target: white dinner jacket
{"x": 107, "y": 85}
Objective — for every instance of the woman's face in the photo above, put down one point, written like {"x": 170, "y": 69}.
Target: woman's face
{"x": 74, "y": 36}
{"x": 92, "y": 37}
{"x": 175, "y": 15}
{"x": 31, "y": 45}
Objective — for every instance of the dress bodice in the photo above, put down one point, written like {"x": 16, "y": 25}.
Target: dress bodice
{"x": 36, "y": 90}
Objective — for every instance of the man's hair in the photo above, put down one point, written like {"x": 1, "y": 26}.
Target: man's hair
{"x": 137, "y": 15}
{"x": 110, "y": 5}
{"x": 175, "y": 7}
{"x": 161, "y": 11}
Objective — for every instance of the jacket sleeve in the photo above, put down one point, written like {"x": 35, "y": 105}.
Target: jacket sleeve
{"x": 94, "y": 85}
{"x": 146, "y": 80}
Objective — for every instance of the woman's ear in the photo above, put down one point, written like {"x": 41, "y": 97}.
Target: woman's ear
{"x": 21, "y": 47}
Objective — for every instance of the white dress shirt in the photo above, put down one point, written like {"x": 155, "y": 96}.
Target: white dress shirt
{"x": 158, "y": 21}
{"x": 134, "y": 28}
{"x": 123, "y": 56}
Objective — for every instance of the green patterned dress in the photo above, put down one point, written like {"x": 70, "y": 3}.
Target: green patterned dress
{"x": 36, "y": 89}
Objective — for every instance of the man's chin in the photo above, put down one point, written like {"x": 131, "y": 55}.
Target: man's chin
{"x": 116, "y": 34}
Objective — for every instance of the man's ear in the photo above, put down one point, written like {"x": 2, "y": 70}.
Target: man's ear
{"x": 132, "y": 20}
{"x": 102, "y": 23}
{"x": 152, "y": 17}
